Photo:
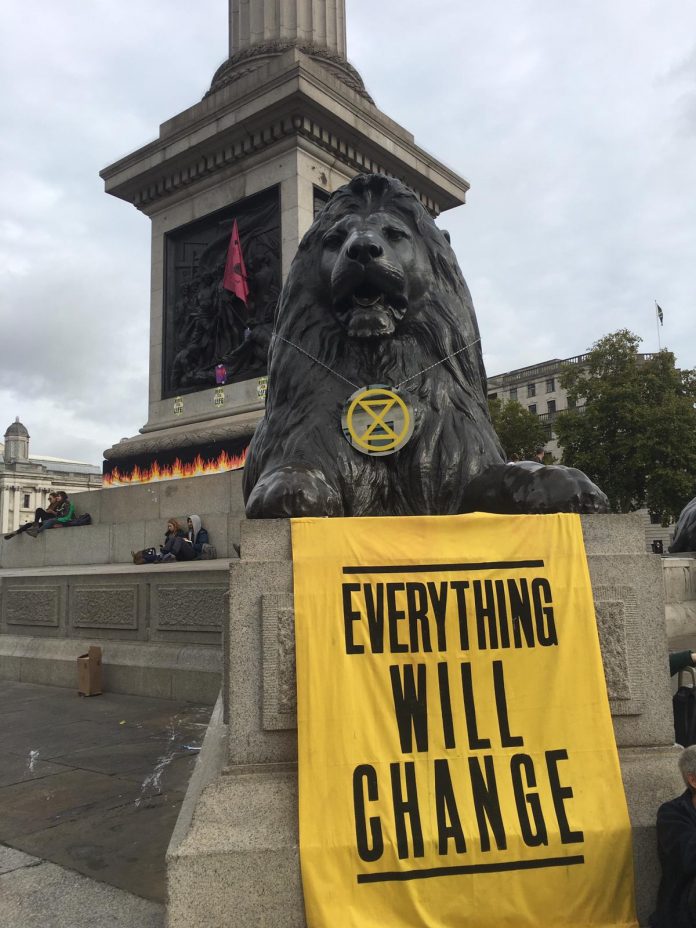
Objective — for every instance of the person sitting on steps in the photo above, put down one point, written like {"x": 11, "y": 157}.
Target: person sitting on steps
{"x": 64, "y": 512}
{"x": 197, "y": 535}
{"x": 173, "y": 539}
{"x": 186, "y": 546}
{"x": 40, "y": 516}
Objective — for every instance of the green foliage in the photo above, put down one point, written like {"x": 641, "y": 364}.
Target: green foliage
{"x": 518, "y": 429}
{"x": 636, "y": 437}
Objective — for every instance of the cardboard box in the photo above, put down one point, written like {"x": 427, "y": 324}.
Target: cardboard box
{"x": 89, "y": 672}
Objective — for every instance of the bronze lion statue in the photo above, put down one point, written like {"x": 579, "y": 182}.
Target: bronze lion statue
{"x": 375, "y": 297}
{"x": 685, "y": 531}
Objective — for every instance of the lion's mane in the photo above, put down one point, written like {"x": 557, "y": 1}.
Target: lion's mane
{"x": 310, "y": 379}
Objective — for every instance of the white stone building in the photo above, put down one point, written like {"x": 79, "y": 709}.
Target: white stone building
{"x": 538, "y": 389}
{"x": 26, "y": 480}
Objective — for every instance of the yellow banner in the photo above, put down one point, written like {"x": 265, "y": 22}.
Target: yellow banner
{"x": 457, "y": 763}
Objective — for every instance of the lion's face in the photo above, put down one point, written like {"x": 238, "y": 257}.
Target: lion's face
{"x": 372, "y": 267}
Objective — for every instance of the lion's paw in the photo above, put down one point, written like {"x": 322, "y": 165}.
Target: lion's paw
{"x": 533, "y": 488}
{"x": 562, "y": 489}
{"x": 289, "y": 492}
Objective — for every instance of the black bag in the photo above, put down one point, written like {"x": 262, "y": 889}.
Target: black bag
{"x": 684, "y": 706}
{"x": 146, "y": 556}
{"x": 85, "y": 519}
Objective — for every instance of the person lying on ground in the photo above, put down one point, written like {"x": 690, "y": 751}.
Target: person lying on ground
{"x": 676, "y": 844}
{"x": 64, "y": 512}
{"x": 40, "y": 515}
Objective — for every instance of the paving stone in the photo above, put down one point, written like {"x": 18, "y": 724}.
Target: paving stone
{"x": 16, "y": 768}
{"x": 52, "y": 739}
{"x": 35, "y": 805}
{"x": 104, "y": 804}
{"x": 47, "y": 896}
{"x": 124, "y": 846}
{"x": 137, "y": 761}
{"x": 10, "y": 860}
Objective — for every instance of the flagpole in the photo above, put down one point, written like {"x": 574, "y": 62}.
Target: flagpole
{"x": 657, "y": 324}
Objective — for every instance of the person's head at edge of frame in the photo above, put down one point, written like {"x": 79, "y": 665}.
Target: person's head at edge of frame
{"x": 687, "y": 768}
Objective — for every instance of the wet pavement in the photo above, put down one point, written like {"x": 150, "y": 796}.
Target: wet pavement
{"x": 93, "y": 785}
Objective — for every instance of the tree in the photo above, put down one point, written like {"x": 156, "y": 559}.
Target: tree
{"x": 635, "y": 435}
{"x": 518, "y": 429}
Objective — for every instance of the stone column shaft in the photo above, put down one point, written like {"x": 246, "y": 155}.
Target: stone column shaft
{"x": 316, "y": 22}
{"x": 4, "y": 510}
{"x": 17, "y": 509}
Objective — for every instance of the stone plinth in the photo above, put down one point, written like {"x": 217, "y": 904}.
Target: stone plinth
{"x": 235, "y": 847}
{"x": 680, "y": 601}
{"x": 159, "y": 626}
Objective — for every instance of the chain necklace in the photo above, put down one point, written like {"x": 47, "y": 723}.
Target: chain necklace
{"x": 377, "y": 420}
{"x": 356, "y": 386}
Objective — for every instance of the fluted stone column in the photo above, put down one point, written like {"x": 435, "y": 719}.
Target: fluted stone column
{"x": 307, "y": 22}
{"x": 17, "y": 508}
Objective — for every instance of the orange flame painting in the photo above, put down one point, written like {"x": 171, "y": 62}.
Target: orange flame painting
{"x": 156, "y": 471}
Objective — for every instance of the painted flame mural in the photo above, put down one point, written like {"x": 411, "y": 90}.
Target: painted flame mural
{"x": 191, "y": 462}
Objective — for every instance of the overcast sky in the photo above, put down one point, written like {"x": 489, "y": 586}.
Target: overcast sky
{"x": 574, "y": 122}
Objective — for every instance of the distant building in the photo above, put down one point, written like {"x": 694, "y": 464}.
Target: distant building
{"x": 26, "y": 480}
{"x": 538, "y": 389}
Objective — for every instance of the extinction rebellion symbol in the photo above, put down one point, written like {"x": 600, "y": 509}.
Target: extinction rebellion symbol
{"x": 377, "y": 420}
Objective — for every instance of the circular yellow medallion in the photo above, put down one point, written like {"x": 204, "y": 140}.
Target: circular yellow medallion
{"x": 377, "y": 420}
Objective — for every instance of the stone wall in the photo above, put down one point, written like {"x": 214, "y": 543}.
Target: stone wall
{"x": 178, "y": 603}
{"x": 129, "y": 518}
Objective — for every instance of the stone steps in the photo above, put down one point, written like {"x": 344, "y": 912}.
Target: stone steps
{"x": 126, "y": 519}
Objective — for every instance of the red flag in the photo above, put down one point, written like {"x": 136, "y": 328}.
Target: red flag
{"x": 235, "y": 277}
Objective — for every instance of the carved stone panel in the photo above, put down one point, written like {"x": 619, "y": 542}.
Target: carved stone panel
{"x": 189, "y": 608}
{"x": 207, "y": 325}
{"x": 104, "y": 607}
{"x": 33, "y": 605}
{"x": 616, "y": 608}
{"x": 279, "y": 681}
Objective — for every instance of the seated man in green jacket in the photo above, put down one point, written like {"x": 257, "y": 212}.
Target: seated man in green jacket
{"x": 65, "y": 511}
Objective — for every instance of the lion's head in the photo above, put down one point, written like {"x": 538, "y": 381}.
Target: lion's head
{"x": 372, "y": 263}
{"x": 387, "y": 284}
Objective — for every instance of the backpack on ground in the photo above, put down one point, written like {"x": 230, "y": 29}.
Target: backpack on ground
{"x": 684, "y": 706}
{"x": 146, "y": 556}
{"x": 208, "y": 552}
